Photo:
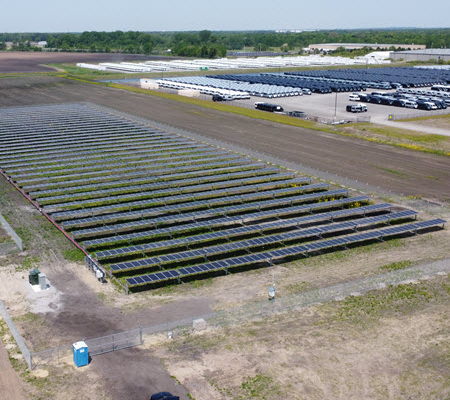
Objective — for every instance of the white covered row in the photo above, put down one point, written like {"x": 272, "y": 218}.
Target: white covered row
{"x": 202, "y": 89}
{"x": 254, "y": 89}
{"x": 239, "y": 63}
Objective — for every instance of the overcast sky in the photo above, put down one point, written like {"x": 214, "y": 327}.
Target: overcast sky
{"x": 182, "y": 15}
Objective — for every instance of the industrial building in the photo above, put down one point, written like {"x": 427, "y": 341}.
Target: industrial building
{"x": 422, "y": 55}
{"x": 357, "y": 46}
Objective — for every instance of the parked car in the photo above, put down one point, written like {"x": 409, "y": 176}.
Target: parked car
{"x": 410, "y": 104}
{"x": 269, "y": 107}
{"x": 398, "y": 103}
{"x": 387, "y": 101}
{"x": 353, "y": 97}
{"x": 298, "y": 114}
{"x": 364, "y": 97}
{"x": 222, "y": 97}
{"x": 164, "y": 396}
{"x": 424, "y": 105}
{"x": 439, "y": 103}
{"x": 356, "y": 108}
{"x": 374, "y": 99}
{"x": 306, "y": 91}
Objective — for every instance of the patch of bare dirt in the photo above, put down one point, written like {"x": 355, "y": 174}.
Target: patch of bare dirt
{"x": 11, "y": 61}
{"x": 317, "y": 354}
{"x": 442, "y": 123}
{"x": 10, "y": 384}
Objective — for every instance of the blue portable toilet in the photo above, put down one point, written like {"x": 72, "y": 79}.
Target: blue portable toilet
{"x": 80, "y": 354}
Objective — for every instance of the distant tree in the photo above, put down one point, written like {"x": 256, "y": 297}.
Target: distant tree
{"x": 204, "y": 35}
{"x": 2, "y": 46}
{"x": 147, "y": 47}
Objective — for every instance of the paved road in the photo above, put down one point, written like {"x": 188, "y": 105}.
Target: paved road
{"x": 387, "y": 167}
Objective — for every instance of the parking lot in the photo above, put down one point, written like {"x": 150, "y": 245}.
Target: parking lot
{"x": 329, "y": 105}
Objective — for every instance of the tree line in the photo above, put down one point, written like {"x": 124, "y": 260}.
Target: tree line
{"x": 209, "y": 44}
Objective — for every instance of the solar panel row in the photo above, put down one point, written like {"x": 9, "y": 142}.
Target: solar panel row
{"x": 258, "y": 229}
{"x": 210, "y": 224}
{"x": 141, "y": 183}
{"x": 155, "y": 198}
{"x": 276, "y": 255}
{"x": 147, "y": 164}
{"x": 99, "y": 157}
{"x": 47, "y": 142}
{"x": 249, "y": 245}
{"x": 185, "y": 185}
{"x": 64, "y": 168}
{"x": 80, "y": 147}
{"x": 55, "y": 160}
{"x": 27, "y": 178}
{"x": 211, "y": 210}
{"x": 180, "y": 194}
{"x": 198, "y": 169}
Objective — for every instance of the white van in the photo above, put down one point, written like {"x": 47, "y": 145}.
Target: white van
{"x": 432, "y": 105}
{"x": 410, "y": 104}
{"x": 353, "y": 97}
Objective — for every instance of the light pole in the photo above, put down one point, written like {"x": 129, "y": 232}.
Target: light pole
{"x": 335, "y": 107}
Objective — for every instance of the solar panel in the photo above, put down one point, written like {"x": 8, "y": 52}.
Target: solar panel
{"x": 207, "y": 213}
{"x": 218, "y": 222}
{"x": 189, "y": 185}
{"x": 200, "y": 169}
{"x": 298, "y": 250}
{"x": 260, "y": 190}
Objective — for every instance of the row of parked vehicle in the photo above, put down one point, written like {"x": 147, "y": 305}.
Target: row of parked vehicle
{"x": 426, "y": 92}
{"x": 382, "y": 78}
{"x": 399, "y": 99}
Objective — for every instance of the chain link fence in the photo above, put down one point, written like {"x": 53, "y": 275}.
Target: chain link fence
{"x": 418, "y": 114}
{"x": 96, "y": 346}
{"x": 116, "y": 341}
{"x": 10, "y": 231}
{"x": 254, "y": 311}
{"x": 16, "y": 335}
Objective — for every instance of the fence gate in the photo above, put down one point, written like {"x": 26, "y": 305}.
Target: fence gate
{"x": 114, "y": 342}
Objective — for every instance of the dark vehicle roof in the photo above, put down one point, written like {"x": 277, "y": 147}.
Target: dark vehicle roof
{"x": 162, "y": 396}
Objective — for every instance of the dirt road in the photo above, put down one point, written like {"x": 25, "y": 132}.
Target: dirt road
{"x": 19, "y": 61}
{"x": 10, "y": 385}
{"x": 392, "y": 169}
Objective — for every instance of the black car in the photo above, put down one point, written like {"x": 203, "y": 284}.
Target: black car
{"x": 423, "y": 105}
{"x": 164, "y": 396}
{"x": 398, "y": 103}
{"x": 298, "y": 114}
{"x": 222, "y": 97}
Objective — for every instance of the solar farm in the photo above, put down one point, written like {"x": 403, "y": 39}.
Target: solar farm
{"x": 150, "y": 207}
